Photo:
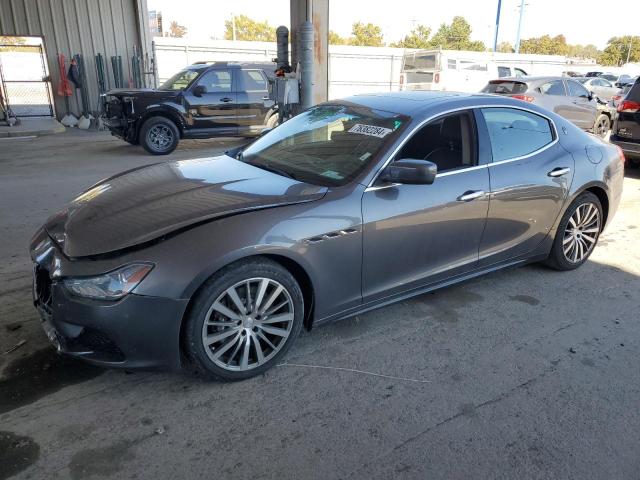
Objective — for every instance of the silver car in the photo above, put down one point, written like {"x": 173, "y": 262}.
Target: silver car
{"x": 564, "y": 96}
{"x": 600, "y": 87}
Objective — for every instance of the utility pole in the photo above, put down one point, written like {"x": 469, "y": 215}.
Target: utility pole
{"x": 233, "y": 26}
{"x": 629, "y": 51}
{"x": 495, "y": 38}
{"x": 519, "y": 26}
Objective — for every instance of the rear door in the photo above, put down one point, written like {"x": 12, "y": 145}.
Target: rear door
{"x": 530, "y": 176}
{"x": 553, "y": 96}
{"x": 214, "y": 110}
{"x": 583, "y": 109}
{"x": 253, "y": 104}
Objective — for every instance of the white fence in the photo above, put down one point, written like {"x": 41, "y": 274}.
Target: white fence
{"x": 351, "y": 69}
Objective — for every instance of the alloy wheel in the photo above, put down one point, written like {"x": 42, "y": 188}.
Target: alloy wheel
{"x": 581, "y": 232}
{"x": 160, "y": 137}
{"x": 602, "y": 127}
{"x": 248, "y": 324}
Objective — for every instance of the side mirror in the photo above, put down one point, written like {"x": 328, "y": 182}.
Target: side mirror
{"x": 199, "y": 90}
{"x": 410, "y": 171}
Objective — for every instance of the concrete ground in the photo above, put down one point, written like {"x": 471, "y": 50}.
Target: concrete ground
{"x": 525, "y": 373}
{"x": 31, "y": 127}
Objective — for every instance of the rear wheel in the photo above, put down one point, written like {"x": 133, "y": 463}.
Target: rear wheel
{"x": 577, "y": 234}
{"x": 159, "y": 136}
{"x": 602, "y": 125}
{"x": 244, "y": 320}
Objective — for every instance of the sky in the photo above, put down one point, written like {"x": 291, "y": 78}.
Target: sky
{"x": 580, "y": 21}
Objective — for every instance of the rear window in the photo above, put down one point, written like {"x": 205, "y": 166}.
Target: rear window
{"x": 419, "y": 61}
{"x": 505, "y": 87}
{"x": 515, "y": 133}
{"x": 633, "y": 92}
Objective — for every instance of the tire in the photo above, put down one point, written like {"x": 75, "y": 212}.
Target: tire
{"x": 602, "y": 125}
{"x": 573, "y": 246}
{"x": 217, "y": 333}
{"x": 273, "y": 120}
{"x": 159, "y": 136}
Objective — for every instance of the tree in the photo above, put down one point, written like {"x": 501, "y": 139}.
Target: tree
{"x": 176, "y": 30}
{"x": 456, "y": 36}
{"x": 336, "y": 39}
{"x": 584, "y": 51}
{"x": 545, "y": 45}
{"x": 505, "y": 47}
{"x": 618, "y": 49}
{"x": 417, "y": 38}
{"x": 366, "y": 34}
{"x": 249, "y": 30}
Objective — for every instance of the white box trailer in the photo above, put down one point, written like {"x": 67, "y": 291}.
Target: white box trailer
{"x": 463, "y": 71}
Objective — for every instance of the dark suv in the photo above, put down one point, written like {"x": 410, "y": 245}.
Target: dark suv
{"x": 204, "y": 100}
{"x": 626, "y": 127}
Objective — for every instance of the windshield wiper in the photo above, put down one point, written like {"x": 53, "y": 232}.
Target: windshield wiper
{"x": 270, "y": 169}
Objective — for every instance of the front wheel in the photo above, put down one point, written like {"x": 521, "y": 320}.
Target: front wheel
{"x": 244, "y": 319}
{"x": 577, "y": 234}
{"x": 159, "y": 136}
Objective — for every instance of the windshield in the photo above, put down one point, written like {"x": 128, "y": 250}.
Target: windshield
{"x": 180, "y": 80}
{"x": 326, "y": 145}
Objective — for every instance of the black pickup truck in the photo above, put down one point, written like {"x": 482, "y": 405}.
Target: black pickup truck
{"x": 204, "y": 100}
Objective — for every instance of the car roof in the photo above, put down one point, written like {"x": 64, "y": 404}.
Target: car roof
{"x": 407, "y": 102}
{"x": 268, "y": 66}
{"x": 532, "y": 79}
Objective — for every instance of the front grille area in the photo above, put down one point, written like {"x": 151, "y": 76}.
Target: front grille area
{"x": 42, "y": 287}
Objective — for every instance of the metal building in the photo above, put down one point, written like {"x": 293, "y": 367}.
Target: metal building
{"x": 111, "y": 28}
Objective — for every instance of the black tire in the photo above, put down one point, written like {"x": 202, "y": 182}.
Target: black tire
{"x": 602, "y": 125}
{"x": 159, "y": 136}
{"x": 273, "y": 121}
{"x": 557, "y": 258}
{"x": 212, "y": 291}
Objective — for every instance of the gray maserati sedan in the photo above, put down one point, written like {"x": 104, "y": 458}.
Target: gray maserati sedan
{"x": 216, "y": 264}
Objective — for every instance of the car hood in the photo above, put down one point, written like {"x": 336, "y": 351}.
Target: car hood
{"x": 148, "y": 202}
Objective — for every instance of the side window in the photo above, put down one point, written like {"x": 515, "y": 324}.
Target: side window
{"x": 514, "y": 133}
{"x": 577, "y": 90}
{"x": 553, "y": 88}
{"x": 504, "y": 72}
{"x": 520, "y": 72}
{"x": 251, "y": 81}
{"x": 452, "y": 64}
{"x": 449, "y": 142}
{"x": 605, "y": 83}
{"x": 216, "y": 81}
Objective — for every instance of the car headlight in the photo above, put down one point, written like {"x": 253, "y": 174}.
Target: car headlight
{"x": 109, "y": 286}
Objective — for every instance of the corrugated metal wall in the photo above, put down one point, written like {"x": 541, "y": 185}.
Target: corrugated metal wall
{"x": 87, "y": 27}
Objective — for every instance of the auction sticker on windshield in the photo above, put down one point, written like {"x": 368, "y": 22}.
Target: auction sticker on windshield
{"x": 370, "y": 130}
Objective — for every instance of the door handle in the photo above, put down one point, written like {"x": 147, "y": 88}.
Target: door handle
{"x": 558, "y": 172}
{"x": 470, "y": 195}
{"x": 226, "y": 99}
{"x": 266, "y": 97}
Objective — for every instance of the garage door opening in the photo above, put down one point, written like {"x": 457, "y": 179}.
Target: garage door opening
{"x": 25, "y": 88}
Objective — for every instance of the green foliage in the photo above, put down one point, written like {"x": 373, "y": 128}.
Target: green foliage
{"x": 249, "y": 30}
{"x": 418, "y": 38}
{"x": 453, "y": 36}
{"x": 366, "y": 34}
{"x": 456, "y": 36}
{"x": 336, "y": 39}
{"x": 545, "y": 45}
{"x": 505, "y": 47}
{"x": 176, "y": 30}
{"x": 584, "y": 51}
{"x": 619, "y": 48}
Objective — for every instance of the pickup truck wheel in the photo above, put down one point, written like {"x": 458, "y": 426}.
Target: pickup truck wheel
{"x": 159, "y": 136}
{"x": 602, "y": 125}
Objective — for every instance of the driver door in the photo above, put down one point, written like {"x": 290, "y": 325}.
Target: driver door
{"x": 414, "y": 235}
{"x": 216, "y": 109}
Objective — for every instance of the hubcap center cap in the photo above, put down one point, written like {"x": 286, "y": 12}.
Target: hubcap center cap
{"x": 248, "y": 322}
